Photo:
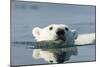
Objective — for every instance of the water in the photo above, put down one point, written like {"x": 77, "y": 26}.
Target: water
{"x": 25, "y": 16}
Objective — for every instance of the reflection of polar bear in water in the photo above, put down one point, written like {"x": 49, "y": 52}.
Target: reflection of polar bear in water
{"x": 62, "y": 33}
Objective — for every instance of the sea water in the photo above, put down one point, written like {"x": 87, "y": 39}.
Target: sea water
{"x": 25, "y": 16}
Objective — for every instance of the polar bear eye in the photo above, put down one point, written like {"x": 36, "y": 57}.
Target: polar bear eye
{"x": 50, "y": 28}
{"x": 66, "y": 29}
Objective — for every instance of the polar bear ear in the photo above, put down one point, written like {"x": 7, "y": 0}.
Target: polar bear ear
{"x": 36, "y": 32}
{"x": 75, "y": 34}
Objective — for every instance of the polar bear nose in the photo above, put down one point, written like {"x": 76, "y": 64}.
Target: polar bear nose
{"x": 51, "y": 61}
{"x": 60, "y": 32}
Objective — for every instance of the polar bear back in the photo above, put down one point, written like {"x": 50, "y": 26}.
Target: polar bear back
{"x": 85, "y": 39}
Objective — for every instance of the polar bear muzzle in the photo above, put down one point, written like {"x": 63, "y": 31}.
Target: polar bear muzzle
{"x": 60, "y": 34}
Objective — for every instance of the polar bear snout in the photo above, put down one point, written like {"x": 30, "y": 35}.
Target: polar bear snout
{"x": 60, "y": 34}
{"x": 50, "y": 61}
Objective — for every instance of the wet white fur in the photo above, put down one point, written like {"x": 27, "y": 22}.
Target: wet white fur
{"x": 85, "y": 39}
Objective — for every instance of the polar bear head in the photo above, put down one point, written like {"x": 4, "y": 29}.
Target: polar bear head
{"x": 55, "y": 32}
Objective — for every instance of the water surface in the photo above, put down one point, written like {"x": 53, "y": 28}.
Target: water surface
{"x": 25, "y": 16}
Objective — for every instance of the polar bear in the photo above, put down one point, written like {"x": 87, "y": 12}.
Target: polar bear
{"x": 62, "y": 33}
{"x": 55, "y": 32}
